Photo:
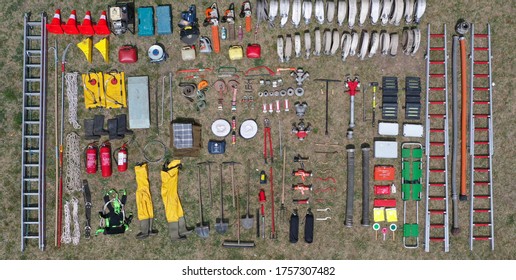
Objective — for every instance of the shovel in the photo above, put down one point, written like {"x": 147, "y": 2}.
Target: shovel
{"x": 202, "y": 229}
{"x": 221, "y": 225}
{"x": 247, "y": 220}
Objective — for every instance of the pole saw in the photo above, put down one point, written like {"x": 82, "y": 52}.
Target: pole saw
{"x": 60, "y": 189}
{"x": 56, "y": 125}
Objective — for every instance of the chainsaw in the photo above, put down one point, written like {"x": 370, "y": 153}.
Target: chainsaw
{"x": 229, "y": 17}
{"x": 212, "y": 18}
{"x": 246, "y": 13}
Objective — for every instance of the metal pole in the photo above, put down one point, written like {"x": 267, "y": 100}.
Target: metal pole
{"x": 351, "y": 185}
{"x": 455, "y": 143}
{"x": 365, "y": 184}
{"x": 56, "y": 134}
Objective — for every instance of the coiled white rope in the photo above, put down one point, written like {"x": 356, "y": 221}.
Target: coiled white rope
{"x": 76, "y": 236}
{"x": 73, "y": 163}
{"x": 71, "y": 94}
{"x": 66, "y": 238}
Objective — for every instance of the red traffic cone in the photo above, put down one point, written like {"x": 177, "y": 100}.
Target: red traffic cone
{"x": 86, "y": 28}
{"x": 71, "y": 26}
{"x": 102, "y": 28}
{"x": 54, "y": 27}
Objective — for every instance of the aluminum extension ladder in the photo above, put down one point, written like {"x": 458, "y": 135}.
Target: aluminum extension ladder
{"x": 33, "y": 131}
{"x": 481, "y": 139}
{"x": 436, "y": 140}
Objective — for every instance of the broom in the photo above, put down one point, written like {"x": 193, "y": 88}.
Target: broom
{"x": 237, "y": 243}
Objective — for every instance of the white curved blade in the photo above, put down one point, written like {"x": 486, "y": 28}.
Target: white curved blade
{"x": 352, "y": 13}
{"x": 296, "y": 13}
{"x": 376, "y": 9}
{"x": 364, "y": 12}
{"x": 409, "y": 11}
{"x": 394, "y": 44}
{"x": 417, "y": 40}
{"x": 280, "y": 49}
{"x": 354, "y": 43}
{"x": 308, "y": 44}
{"x": 386, "y": 11}
{"x": 330, "y": 11}
{"x": 288, "y": 48}
{"x": 284, "y": 8}
{"x": 385, "y": 39}
{"x": 342, "y": 9}
{"x": 297, "y": 44}
{"x": 397, "y": 13}
{"x": 420, "y": 10}
{"x": 364, "y": 45}
{"x": 317, "y": 48}
{"x": 345, "y": 43}
{"x": 327, "y": 41}
{"x": 319, "y": 11}
{"x": 307, "y": 11}
{"x": 375, "y": 42}
{"x": 273, "y": 10}
{"x": 335, "y": 42}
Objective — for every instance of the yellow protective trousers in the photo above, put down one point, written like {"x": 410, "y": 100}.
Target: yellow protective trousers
{"x": 143, "y": 196}
{"x": 169, "y": 181}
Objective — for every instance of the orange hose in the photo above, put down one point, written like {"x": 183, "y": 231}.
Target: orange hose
{"x": 464, "y": 116}
{"x": 215, "y": 38}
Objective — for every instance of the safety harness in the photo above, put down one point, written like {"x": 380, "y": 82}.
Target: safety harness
{"x": 113, "y": 219}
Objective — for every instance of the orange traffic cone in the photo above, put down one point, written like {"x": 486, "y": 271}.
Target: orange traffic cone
{"x": 102, "y": 27}
{"x": 71, "y": 26}
{"x": 54, "y": 27}
{"x": 86, "y": 28}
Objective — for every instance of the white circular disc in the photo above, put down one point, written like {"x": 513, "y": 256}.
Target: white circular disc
{"x": 221, "y": 128}
{"x": 155, "y": 52}
{"x": 248, "y": 129}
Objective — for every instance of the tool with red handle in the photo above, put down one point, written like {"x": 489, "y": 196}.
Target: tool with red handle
{"x": 212, "y": 18}
{"x": 262, "y": 199}
{"x": 302, "y": 173}
{"x": 301, "y": 201}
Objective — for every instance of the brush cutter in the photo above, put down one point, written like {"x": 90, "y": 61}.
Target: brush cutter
{"x": 202, "y": 229}
{"x": 238, "y": 243}
{"x": 221, "y": 225}
{"x": 248, "y": 220}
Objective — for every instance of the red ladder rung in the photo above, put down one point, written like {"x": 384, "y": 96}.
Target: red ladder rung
{"x": 482, "y": 196}
{"x": 437, "y": 48}
{"x": 436, "y": 170}
{"x": 436, "y": 184}
{"x": 482, "y": 224}
{"x": 482, "y": 237}
{"x": 437, "y": 102}
{"x": 436, "y": 143}
{"x": 481, "y": 142}
{"x": 482, "y": 62}
{"x": 481, "y": 156}
{"x": 483, "y": 210}
{"x": 483, "y": 35}
{"x": 437, "y": 35}
{"x": 437, "y": 75}
{"x": 437, "y": 157}
{"x": 436, "y": 129}
{"x": 481, "y": 102}
{"x": 481, "y": 88}
{"x": 436, "y": 61}
{"x": 436, "y": 225}
{"x": 437, "y": 239}
{"x": 436, "y": 88}
{"x": 481, "y": 116}
{"x": 481, "y": 169}
{"x": 482, "y": 128}
{"x": 481, "y": 75}
{"x": 481, "y": 48}
{"x": 433, "y": 197}
{"x": 482, "y": 183}
{"x": 436, "y": 212}
{"x": 440, "y": 116}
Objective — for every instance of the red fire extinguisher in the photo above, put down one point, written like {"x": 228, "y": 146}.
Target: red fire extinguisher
{"x": 120, "y": 156}
{"x": 91, "y": 158}
{"x": 105, "y": 159}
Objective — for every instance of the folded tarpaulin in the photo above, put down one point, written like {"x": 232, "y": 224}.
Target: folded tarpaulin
{"x": 183, "y": 135}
